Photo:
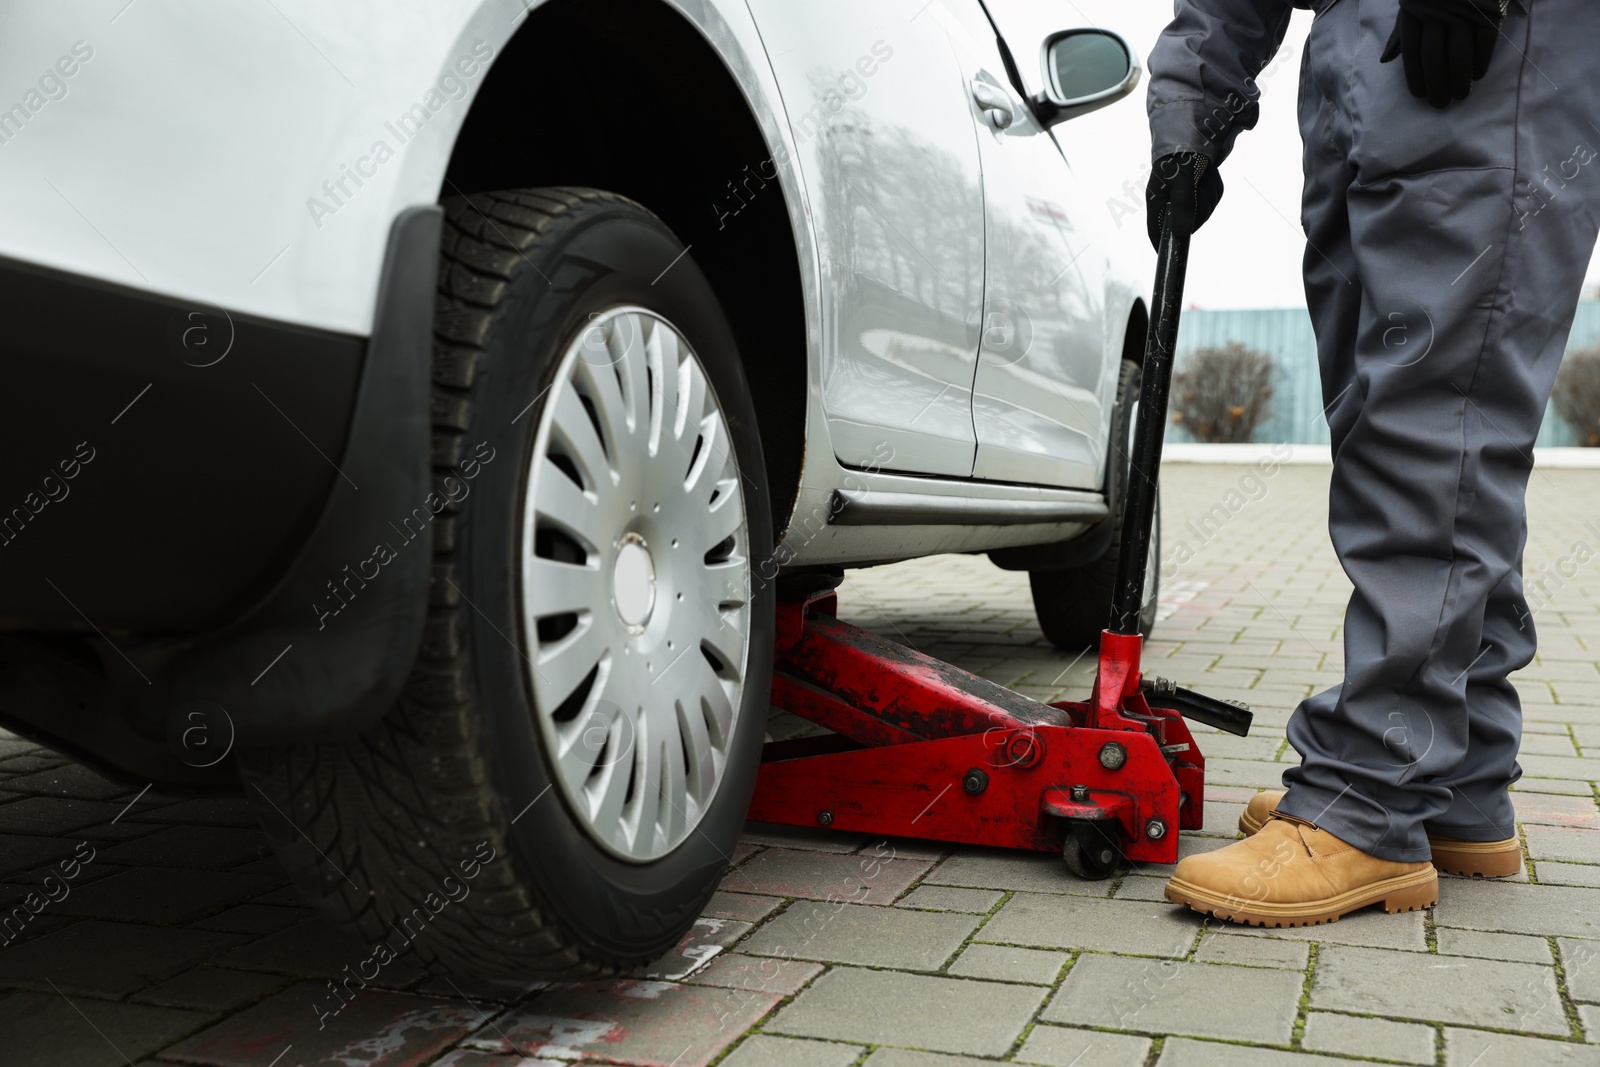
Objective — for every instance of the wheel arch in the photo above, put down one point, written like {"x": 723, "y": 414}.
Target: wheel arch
{"x": 672, "y": 125}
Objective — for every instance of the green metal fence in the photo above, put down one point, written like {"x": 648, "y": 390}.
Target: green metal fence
{"x": 1285, "y": 333}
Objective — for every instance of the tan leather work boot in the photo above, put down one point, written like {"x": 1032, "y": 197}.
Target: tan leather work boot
{"x": 1485, "y": 859}
{"x": 1289, "y": 873}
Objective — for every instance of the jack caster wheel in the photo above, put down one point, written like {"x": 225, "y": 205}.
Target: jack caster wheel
{"x": 1093, "y": 848}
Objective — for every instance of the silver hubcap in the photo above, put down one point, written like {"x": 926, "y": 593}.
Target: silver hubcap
{"x": 635, "y": 583}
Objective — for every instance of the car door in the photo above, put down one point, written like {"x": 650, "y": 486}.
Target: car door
{"x": 1040, "y": 389}
{"x": 878, "y": 108}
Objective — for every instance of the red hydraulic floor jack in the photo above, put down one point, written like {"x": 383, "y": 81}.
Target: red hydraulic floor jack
{"x": 923, "y": 749}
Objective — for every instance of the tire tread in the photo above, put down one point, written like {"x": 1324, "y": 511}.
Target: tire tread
{"x": 420, "y": 777}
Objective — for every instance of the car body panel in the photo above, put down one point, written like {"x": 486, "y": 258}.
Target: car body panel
{"x": 1116, "y": 263}
{"x": 877, "y": 110}
{"x": 1040, "y": 400}
{"x": 143, "y": 317}
{"x": 995, "y": 516}
{"x": 220, "y": 160}
{"x": 260, "y": 152}
{"x": 1037, "y": 394}
{"x": 245, "y": 225}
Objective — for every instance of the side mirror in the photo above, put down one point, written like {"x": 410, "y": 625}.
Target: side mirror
{"x": 1084, "y": 70}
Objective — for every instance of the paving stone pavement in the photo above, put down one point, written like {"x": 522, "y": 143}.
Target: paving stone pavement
{"x": 142, "y": 929}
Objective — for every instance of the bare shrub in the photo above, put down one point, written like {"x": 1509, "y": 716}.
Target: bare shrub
{"x": 1223, "y": 394}
{"x": 1577, "y": 394}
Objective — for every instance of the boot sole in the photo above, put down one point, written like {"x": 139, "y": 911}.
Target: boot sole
{"x": 1470, "y": 859}
{"x": 1478, "y": 859}
{"x": 1406, "y": 892}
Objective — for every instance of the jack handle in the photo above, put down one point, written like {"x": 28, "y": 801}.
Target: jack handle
{"x": 1144, "y": 462}
{"x": 1231, "y": 717}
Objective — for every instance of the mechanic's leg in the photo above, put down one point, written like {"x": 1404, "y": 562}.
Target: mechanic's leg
{"x": 1332, "y": 274}
{"x": 1480, "y": 801}
{"x": 1332, "y": 279}
{"x": 1472, "y": 228}
{"x": 1288, "y": 872}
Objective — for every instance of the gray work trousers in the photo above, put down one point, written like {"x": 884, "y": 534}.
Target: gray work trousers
{"x": 1445, "y": 254}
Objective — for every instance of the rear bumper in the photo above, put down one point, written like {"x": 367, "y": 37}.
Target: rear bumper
{"x": 190, "y": 482}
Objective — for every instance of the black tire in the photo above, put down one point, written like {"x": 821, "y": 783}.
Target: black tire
{"x": 453, "y": 779}
{"x": 1074, "y": 605}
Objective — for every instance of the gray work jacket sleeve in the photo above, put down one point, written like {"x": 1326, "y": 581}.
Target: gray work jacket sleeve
{"x": 1203, "y": 71}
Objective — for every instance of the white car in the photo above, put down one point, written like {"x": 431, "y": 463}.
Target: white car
{"x": 415, "y": 410}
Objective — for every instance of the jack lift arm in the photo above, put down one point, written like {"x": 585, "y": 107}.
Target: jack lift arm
{"x": 923, "y": 749}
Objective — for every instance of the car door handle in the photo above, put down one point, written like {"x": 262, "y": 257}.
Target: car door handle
{"x": 995, "y": 101}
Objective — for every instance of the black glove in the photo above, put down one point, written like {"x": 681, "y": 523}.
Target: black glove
{"x": 1447, "y": 45}
{"x": 1188, "y": 184}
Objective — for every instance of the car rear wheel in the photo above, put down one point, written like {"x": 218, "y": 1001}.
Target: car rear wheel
{"x": 1073, "y": 605}
{"x": 558, "y": 788}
